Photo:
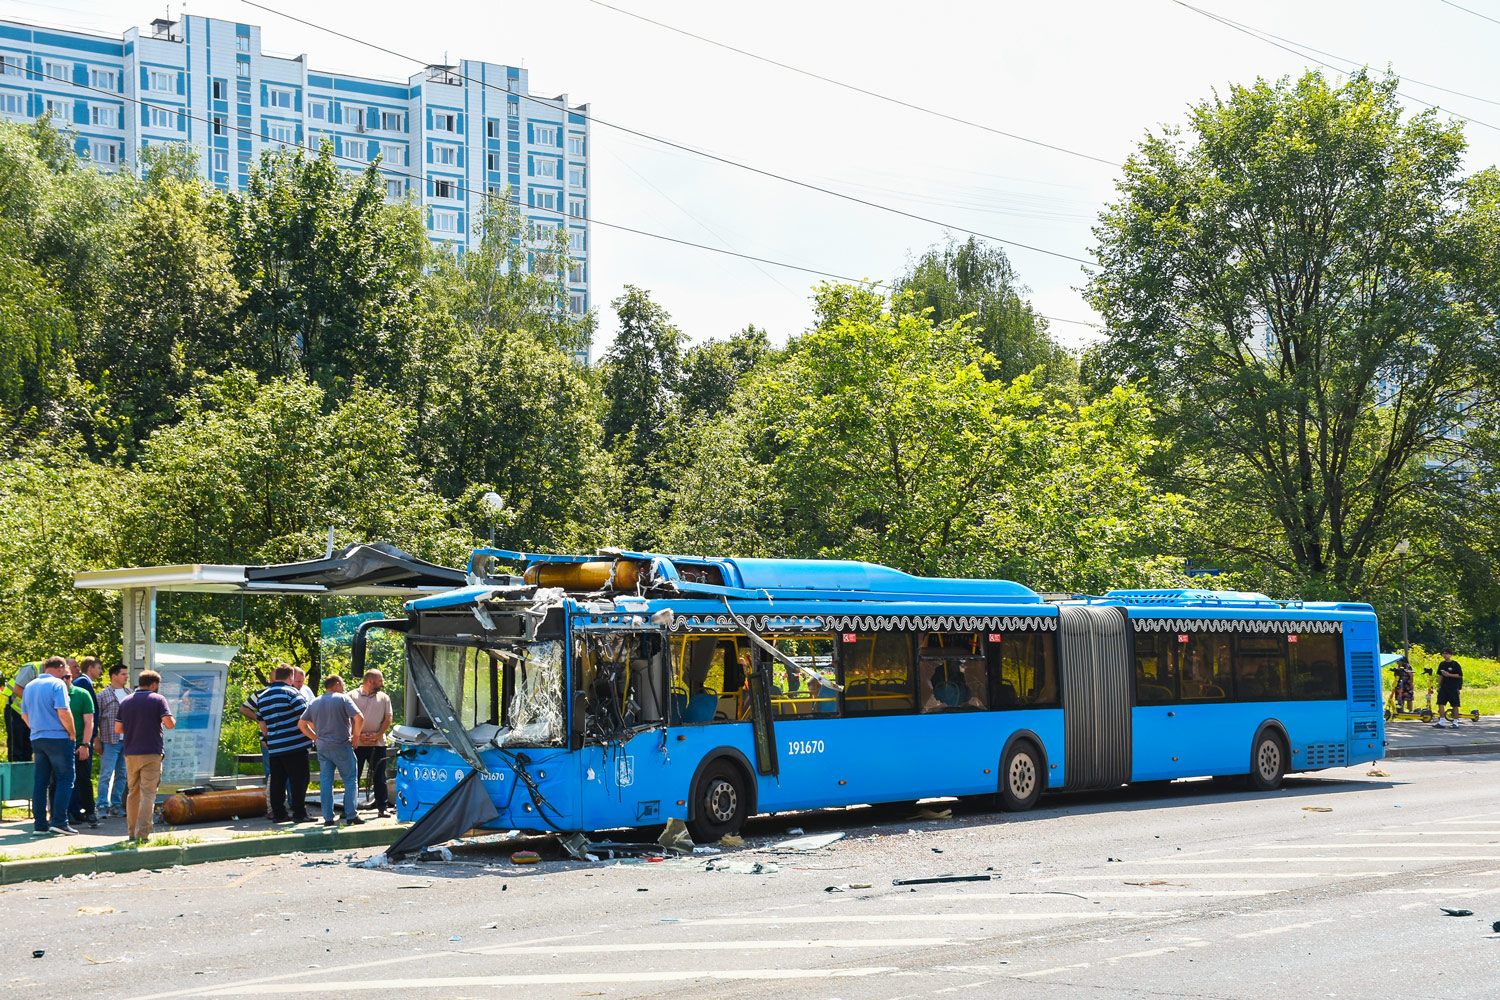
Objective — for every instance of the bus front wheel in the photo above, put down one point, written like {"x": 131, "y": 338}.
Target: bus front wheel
{"x": 719, "y": 803}
{"x": 1267, "y": 762}
{"x": 1020, "y": 777}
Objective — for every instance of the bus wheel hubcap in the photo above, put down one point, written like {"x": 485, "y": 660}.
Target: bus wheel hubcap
{"x": 1270, "y": 759}
{"x": 1022, "y": 776}
{"x": 723, "y": 801}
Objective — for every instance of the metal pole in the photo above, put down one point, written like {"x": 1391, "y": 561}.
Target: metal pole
{"x": 1405, "y": 635}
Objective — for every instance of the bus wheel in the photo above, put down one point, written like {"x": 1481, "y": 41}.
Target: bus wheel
{"x": 719, "y": 803}
{"x": 1020, "y": 777}
{"x": 1267, "y": 762}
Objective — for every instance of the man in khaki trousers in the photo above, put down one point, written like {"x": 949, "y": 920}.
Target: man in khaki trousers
{"x": 141, "y": 719}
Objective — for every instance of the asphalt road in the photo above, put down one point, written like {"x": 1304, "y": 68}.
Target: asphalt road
{"x": 1331, "y": 887}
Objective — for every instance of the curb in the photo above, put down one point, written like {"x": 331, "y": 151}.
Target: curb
{"x": 312, "y": 841}
{"x": 1444, "y": 750}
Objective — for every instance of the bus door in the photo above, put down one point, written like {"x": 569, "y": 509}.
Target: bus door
{"x": 1095, "y": 663}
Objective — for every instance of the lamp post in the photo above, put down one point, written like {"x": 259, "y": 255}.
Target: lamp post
{"x": 1402, "y": 548}
{"x": 494, "y": 504}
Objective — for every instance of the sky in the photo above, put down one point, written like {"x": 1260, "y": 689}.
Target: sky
{"x": 1089, "y": 76}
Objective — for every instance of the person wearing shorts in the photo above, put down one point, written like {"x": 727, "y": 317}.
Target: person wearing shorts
{"x": 1450, "y": 682}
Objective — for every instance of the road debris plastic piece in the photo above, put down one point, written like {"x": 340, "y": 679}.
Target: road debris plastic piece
{"x": 847, "y": 886}
{"x": 939, "y": 879}
{"x": 1317, "y": 809}
{"x": 576, "y": 846}
{"x": 525, "y": 858}
{"x": 810, "y": 843}
{"x": 1456, "y": 913}
{"x": 96, "y": 909}
{"x": 731, "y": 840}
{"x": 39, "y": 953}
{"x": 611, "y": 850}
{"x": 742, "y": 867}
{"x": 1376, "y": 773}
{"x": 675, "y": 837}
{"x": 468, "y": 805}
{"x": 925, "y": 813}
{"x": 1495, "y": 927}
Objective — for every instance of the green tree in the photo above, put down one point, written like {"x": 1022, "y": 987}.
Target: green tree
{"x": 713, "y": 370}
{"x": 642, "y": 375}
{"x": 36, "y": 333}
{"x": 975, "y": 282}
{"x": 1306, "y": 287}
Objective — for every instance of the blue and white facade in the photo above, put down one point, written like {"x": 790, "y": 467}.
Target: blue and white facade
{"x": 447, "y": 137}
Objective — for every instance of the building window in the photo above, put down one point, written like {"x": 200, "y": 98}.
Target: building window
{"x": 575, "y": 303}
{"x": 162, "y": 118}
{"x": 317, "y": 111}
{"x": 576, "y": 240}
{"x": 513, "y": 162}
{"x": 544, "y": 168}
{"x": 354, "y": 117}
{"x": 242, "y": 43}
{"x": 391, "y": 121}
{"x": 221, "y": 161}
{"x": 576, "y": 272}
{"x": 444, "y": 122}
{"x": 492, "y": 128}
{"x": 161, "y": 81}
{"x": 102, "y": 79}
{"x": 13, "y": 104}
{"x": 395, "y": 190}
{"x": 221, "y": 90}
{"x": 544, "y": 199}
{"x": 354, "y": 149}
{"x": 393, "y": 154}
{"x": 242, "y": 68}
{"x": 103, "y": 117}
{"x": 278, "y": 98}
{"x": 104, "y": 152}
{"x": 283, "y": 133}
{"x": 543, "y": 136}
{"x": 445, "y": 222}
{"x": 218, "y": 124}
{"x": 12, "y": 66}
{"x": 492, "y": 161}
{"x": 58, "y": 110}
{"x": 445, "y": 155}
{"x": 576, "y": 177}
{"x": 444, "y": 189}
{"x": 575, "y": 209}
{"x": 575, "y": 145}
{"x": 513, "y": 108}
{"x": 62, "y": 72}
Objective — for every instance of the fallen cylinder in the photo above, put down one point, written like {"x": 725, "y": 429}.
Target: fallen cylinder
{"x": 203, "y": 807}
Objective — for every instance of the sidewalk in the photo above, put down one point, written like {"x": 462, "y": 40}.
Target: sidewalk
{"x": 1420, "y": 739}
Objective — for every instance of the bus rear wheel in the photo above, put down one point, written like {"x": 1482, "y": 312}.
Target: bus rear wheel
{"x": 719, "y": 803}
{"x": 1020, "y": 777}
{"x": 1267, "y": 762}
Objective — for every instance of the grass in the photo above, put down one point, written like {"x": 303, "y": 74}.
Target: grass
{"x": 1481, "y": 688}
{"x": 250, "y": 834}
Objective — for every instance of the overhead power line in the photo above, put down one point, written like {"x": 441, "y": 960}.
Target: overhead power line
{"x": 1301, "y": 50}
{"x": 1476, "y": 13}
{"x": 854, "y": 87}
{"x": 363, "y": 164}
{"x": 677, "y": 145}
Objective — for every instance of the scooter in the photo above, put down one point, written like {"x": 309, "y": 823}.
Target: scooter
{"x": 1392, "y": 707}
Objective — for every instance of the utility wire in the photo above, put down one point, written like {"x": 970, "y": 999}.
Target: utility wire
{"x": 1474, "y": 12}
{"x": 1277, "y": 40}
{"x": 854, "y": 87}
{"x": 676, "y": 145}
{"x": 380, "y": 167}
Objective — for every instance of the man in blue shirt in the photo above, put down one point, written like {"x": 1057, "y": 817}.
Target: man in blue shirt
{"x": 280, "y": 708}
{"x": 47, "y": 712}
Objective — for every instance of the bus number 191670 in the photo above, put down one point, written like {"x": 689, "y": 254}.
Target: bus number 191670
{"x": 795, "y": 747}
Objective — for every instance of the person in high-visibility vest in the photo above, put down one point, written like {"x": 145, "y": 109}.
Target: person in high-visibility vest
{"x": 17, "y": 735}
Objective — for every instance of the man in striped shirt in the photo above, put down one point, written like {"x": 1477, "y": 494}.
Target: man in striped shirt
{"x": 280, "y": 708}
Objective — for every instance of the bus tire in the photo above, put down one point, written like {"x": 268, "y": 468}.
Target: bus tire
{"x": 1268, "y": 761}
{"x": 719, "y": 803}
{"x": 1020, "y": 777}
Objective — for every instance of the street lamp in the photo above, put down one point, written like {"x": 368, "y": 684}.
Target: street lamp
{"x": 494, "y": 503}
{"x": 1402, "y": 548}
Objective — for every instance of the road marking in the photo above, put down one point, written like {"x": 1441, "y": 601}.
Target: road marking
{"x": 895, "y": 918}
{"x": 1238, "y": 875}
{"x": 545, "y": 979}
{"x": 1364, "y": 847}
{"x": 1052, "y": 971}
{"x": 1317, "y": 857}
{"x": 1399, "y": 831}
{"x": 47, "y": 889}
{"x": 1283, "y": 929}
{"x": 1144, "y": 954}
{"x": 1137, "y": 894}
{"x": 591, "y": 949}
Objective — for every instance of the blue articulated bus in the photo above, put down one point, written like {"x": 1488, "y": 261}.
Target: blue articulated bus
{"x": 623, "y": 689}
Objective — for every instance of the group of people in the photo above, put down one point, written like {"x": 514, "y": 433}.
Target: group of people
{"x": 345, "y": 729}
{"x": 1450, "y": 682}
{"x": 60, "y": 717}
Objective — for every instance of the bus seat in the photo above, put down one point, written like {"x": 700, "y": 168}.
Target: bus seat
{"x": 701, "y": 708}
{"x": 951, "y": 693}
{"x": 1005, "y": 695}
{"x": 679, "y": 707}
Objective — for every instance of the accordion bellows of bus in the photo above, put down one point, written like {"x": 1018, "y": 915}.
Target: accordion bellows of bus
{"x": 624, "y": 689}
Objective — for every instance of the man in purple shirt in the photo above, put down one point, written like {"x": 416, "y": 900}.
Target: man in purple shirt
{"x": 141, "y": 719}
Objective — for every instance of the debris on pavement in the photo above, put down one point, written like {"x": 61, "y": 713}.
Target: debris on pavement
{"x": 795, "y": 831}
{"x": 847, "y": 886}
{"x": 525, "y": 858}
{"x": 925, "y": 813}
{"x": 96, "y": 909}
{"x": 1376, "y": 773}
{"x": 675, "y": 837}
{"x": 1456, "y": 913}
{"x": 376, "y": 861}
{"x": 938, "y": 879}
{"x": 731, "y": 840}
{"x": 1317, "y": 809}
{"x": 742, "y": 867}
{"x": 811, "y": 843}
{"x": 705, "y": 849}
{"x": 575, "y": 845}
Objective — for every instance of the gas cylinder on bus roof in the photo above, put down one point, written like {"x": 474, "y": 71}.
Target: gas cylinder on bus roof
{"x": 592, "y": 575}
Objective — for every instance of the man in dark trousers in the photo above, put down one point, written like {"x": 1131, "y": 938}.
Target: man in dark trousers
{"x": 46, "y": 711}
{"x": 280, "y": 708}
{"x": 17, "y": 735}
{"x": 1450, "y": 682}
{"x": 82, "y": 808}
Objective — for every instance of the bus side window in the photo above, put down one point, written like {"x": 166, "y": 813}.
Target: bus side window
{"x": 1022, "y": 671}
{"x": 951, "y": 672}
{"x": 792, "y": 694}
{"x": 1260, "y": 667}
{"x": 1206, "y": 665}
{"x": 877, "y": 673}
{"x": 1155, "y": 676}
{"x": 1316, "y": 666}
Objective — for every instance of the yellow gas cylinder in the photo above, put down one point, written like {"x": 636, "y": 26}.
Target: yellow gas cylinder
{"x": 592, "y": 575}
{"x": 203, "y": 807}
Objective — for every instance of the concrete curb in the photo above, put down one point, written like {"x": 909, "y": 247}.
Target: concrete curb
{"x": 310, "y": 841}
{"x": 1444, "y": 750}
